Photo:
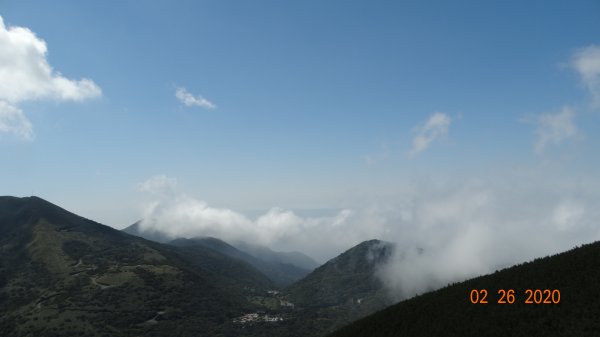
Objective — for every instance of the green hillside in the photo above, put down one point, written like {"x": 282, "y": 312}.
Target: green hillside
{"x": 449, "y": 311}
{"x": 63, "y": 275}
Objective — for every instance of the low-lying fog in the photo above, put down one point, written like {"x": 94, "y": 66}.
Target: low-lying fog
{"x": 444, "y": 232}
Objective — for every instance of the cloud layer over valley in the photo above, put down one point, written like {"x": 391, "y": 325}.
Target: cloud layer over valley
{"x": 444, "y": 232}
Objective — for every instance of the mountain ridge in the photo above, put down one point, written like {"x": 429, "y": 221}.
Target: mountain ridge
{"x": 283, "y": 268}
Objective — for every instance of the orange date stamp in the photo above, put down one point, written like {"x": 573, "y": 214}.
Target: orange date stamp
{"x": 531, "y": 296}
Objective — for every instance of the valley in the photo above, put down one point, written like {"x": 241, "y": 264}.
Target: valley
{"x": 66, "y": 275}
{"x": 63, "y": 275}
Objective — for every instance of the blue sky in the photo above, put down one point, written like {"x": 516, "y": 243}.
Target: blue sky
{"x": 307, "y": 104}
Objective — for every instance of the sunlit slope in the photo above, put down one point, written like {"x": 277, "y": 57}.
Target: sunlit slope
{"x": 449, "y": 311}
{"x": 63, "y": 275}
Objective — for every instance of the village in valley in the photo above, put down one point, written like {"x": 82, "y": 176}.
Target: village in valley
{"x": 274, "y": 302}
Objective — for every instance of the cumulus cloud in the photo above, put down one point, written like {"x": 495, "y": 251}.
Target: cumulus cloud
{"x": 319, "y": 237}
{"x": 159, "y": 184}
{"x": 182, "y": 216}
{"x": 12, "y": 120}
{"x": 586, "y": 61}
{"x": 179, "y": 215}
{"x": 26, "y": 75}
{"x": 553, "y": 129}
{"x": 188, "y": 99}
{"x": 435, "y": 127}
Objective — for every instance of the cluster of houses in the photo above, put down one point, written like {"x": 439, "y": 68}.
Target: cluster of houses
{"x": 263, "y": 317}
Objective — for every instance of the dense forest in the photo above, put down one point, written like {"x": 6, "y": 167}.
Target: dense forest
{"x": 450, "y": 311}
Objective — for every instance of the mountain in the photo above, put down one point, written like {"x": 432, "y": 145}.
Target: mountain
{"x": 573, "y": 275}
{"x": 64, "y": 275}
{"x": 281, "y": 274}
{"x": 343, "y": 289}
{"x": 227, "y": 268}
{"x": 266, "y": 254}
{"x": 282, "y": 268}
{"x": 269, "y": 274}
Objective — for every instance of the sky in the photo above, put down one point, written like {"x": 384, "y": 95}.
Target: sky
{"x": 459, "y": 127}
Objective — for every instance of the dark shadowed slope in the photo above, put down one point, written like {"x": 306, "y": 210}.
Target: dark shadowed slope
{"x": 224, "y": 262}
{"x": 449, "y": 312}
{"x": 63, "y": 275}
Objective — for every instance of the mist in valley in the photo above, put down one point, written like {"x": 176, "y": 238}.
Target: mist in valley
{"x": 444, "y": 232}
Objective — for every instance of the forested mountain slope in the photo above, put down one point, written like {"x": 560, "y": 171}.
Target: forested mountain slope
{"x": 449, "y": 311}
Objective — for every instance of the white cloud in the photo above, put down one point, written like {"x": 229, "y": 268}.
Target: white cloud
{"x": 190, "y": 100}
{"x": 319, "y": 237}
{"x": 12, "y": 120}
{"x": 436, "y": 126}
{"x": 555, "y": 128}
{"x": 444, "y": 232}
{"x": 473, "y": 228}
{"x": 182, "y": 216}
{"x": 26, "y": 75}
{"x": 159, "y": 184}
{"x": 179, "y": 215}
{"x": 586, "y": 61}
